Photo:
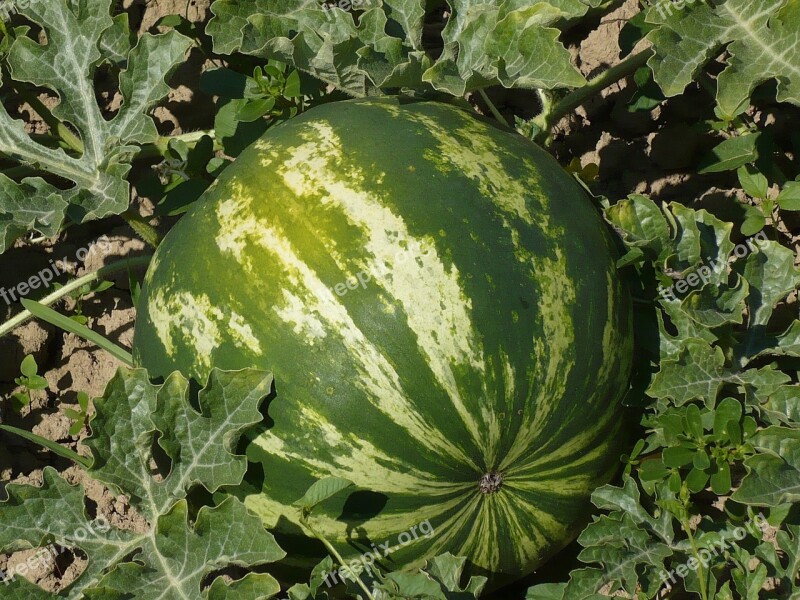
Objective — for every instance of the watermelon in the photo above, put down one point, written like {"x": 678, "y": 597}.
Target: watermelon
{"x": 439, "y": 304}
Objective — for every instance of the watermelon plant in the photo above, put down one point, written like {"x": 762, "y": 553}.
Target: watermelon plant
{"x": 453, "y": 322}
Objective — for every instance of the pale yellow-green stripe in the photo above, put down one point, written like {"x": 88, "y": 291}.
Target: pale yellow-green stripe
{"x": 439, "y": 315}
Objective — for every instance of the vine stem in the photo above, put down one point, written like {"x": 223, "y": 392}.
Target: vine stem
{"x": 122, "y": 265}
{"x": 573, "y": 100}
{"x": 336, "y": 555}
{"x": 701, "y": 576}
{"x": 492, "y": 107}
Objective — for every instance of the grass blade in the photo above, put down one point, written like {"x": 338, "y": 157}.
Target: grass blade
{"x": 50, "y": 445}
{"x": 48, "y": 314}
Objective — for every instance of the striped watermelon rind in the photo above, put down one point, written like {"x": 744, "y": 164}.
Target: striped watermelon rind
{"x": 439, "y": 304}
